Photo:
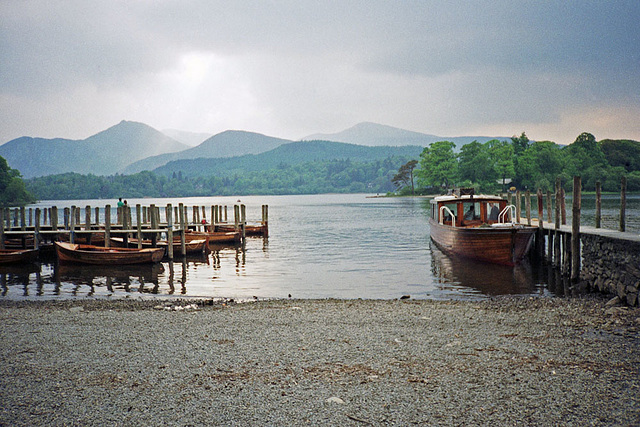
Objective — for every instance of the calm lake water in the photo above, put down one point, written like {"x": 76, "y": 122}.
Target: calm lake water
{"x": 319, "y": 246}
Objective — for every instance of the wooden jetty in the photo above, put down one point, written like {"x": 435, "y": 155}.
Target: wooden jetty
{"x": 606, "y": 260}
{"x": 34, "y": 228}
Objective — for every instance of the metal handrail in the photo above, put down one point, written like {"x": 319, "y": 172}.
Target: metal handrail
{"x": 453, "y": 221}
{"x": 503, "y": 214}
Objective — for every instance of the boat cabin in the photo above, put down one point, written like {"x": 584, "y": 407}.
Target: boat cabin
{"x": 468, "y": 210}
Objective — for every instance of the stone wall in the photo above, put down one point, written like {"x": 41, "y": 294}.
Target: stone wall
{"x": 612, "y": 266}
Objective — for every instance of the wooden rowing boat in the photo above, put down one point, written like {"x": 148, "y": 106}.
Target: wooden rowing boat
{"x": 250, "y": 229}
{"x": 479, "y": 227}
{"x": 191, "y": 247}
{"x": 18, "y": 256}
{"x": 89, "y": 254}
{"x": 211, "y": 236}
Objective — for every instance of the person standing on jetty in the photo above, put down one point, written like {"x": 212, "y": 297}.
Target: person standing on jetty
{"x": 120, "y": 204}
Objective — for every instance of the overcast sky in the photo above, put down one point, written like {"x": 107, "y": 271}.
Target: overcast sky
{"x": 552, "y": 69}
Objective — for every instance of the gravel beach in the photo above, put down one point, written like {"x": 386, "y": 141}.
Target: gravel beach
{"x": 505, "y": 361}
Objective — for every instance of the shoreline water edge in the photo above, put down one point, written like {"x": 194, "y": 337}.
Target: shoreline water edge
{"x": 506, "y": 361}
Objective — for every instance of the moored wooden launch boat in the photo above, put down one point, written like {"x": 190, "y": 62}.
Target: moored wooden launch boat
{"x": 479, "y": 227}
{"x": 89, "y": 254}
{"x": 18, "y": 256}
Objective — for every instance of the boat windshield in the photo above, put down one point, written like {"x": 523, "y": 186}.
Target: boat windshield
{"x": 471, "y": 211}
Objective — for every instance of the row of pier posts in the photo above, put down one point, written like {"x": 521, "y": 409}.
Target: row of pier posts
{"x": 26, "y": 223}
{"x": 563, "y": 246}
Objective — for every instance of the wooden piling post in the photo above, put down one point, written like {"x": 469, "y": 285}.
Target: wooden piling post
{"x": 97, "y": 210}
{"x": 598, "y": 204}
{"x": 540, "y": 236}
{"x": 1, "y": 228}
{"x": 23, "y": 226}
{"x": 557, "y": 242}
{"x": 549, "y": 207}
{"x": 236, "y": 219}
{"x": 126, "y": 224}
{"x": 518, "y": 207}
{"x": 169, "y": 211}
{"x": 575, "y": 229}
{"x": 46, "y": 211}
{"x": 23, "y": 221}
{"x": 183, "y": 244}
{"x": 623, "y": 202}
{"x": 527, "y": 204}
{"x": 54, "y": 221}
{"x": 139, "y": 224}
{"x": 563, "y": 206}
{"x": 265, "y": 219}
{"x": 30, "y": 216}
{"x": 36, "y": 233}
{"x": 72, "y": 224}
{"x": 226, "y": 218}
{"x": 107, "y": 226}
{"x": 87, "y": 222}
{"x": 566, "y": 254}
{"x": 153, "y": 214}
{"x": 243, "y": 221}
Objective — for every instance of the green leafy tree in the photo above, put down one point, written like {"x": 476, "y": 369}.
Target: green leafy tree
{"x": 12, "y": 188}
{"x": 539, "y": 165}
{"x": 520, "y": 144}
{"x": 475, "y": 165}
{"x": 438, "y": 165}
{"x": 622, "y": 152}
{"x": 404, "y": 177}
{"x": 502, "y": 160}
{"x": 584, "y": 157}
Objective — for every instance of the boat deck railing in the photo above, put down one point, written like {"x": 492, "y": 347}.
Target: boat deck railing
{"x": 453, "y": 217}
{"x": 503, "y": 215}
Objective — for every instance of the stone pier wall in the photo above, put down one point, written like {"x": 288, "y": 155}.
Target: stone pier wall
{"x": 612, "y": 266}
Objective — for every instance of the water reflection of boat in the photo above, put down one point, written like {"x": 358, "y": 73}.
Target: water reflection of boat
{"x": 87, "y": 273}
{"x": 20, "y": 269}
{"x": 479, "y": 227}
{"x": 489, "y": 279}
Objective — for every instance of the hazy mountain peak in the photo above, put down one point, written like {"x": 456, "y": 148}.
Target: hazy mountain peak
{"x": 374, "y": 134}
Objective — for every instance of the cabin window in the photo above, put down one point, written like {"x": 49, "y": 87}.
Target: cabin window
{"x": 471, "y": 211}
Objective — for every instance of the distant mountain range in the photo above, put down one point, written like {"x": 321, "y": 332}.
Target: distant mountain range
{"x": 131, "y": 147}
{"x": 104, "y": 153}
{"x": 226, "y": 144}
{"x": 373, "y": 134}
{"x": 285, "y": 155}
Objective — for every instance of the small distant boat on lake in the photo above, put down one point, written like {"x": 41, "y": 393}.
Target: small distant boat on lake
{"x": 479, "y": 227}
{"x": 89, "y": 254}
{"x": 18, "y": 256}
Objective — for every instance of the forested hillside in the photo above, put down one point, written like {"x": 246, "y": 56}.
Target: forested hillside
{"x": 327, "y": 176}
{"x": 286, "y": 155}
